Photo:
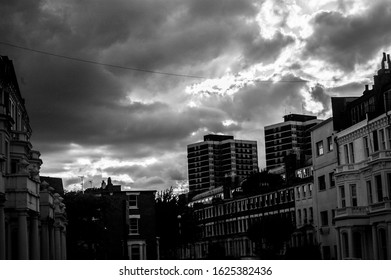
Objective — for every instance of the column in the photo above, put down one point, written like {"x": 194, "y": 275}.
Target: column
{"x": 9, "y": 241}
{"x": 52, "y": 246}
{"x": 63, "y": 245}
{"x": 45, "y": 241}
{"x": 339, "y": 255}
{"x": 22, "y": 236}
{"x": 2, "y": 229}
{"x": 374, "y": 243}
{"x": 35, "y": 254}
{"x": 57, "y": 242}
{"x": 389, "y": 241}
{"x": 350, "y": 242}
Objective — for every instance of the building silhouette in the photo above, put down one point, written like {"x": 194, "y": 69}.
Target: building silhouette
{"x": 219, "y": 156}
{"x": 129, "y": 220}
{"x": 32, "y": 215}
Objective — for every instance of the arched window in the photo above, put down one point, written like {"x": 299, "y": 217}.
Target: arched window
{"x": 357, "y": 245}
{"x": 345, "y": 245}
{"x": 383, "y": 244}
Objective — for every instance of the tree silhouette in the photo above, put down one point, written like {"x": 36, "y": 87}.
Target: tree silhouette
{"x": 270, "y": 234}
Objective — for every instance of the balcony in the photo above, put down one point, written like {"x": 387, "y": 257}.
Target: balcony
{"x": 385, "y": 154}
{"x": 356, "y": 211}
{"x": 380, "y": 206}
{"x": 351, "y": 167}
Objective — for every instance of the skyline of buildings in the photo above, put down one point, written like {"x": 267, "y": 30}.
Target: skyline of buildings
{"x": 340, "y": 194}
{"x": 338, "y": 197}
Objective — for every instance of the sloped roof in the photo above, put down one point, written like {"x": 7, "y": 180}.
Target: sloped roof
{"x": 55, "y": 183}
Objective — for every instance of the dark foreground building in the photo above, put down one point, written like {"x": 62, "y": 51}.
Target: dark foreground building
{"x": 32, "y": 215}
{"x": 127, "y": 221}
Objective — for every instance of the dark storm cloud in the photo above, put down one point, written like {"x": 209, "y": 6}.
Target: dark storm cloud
{"x": 264, "y": 99}
{"x": 74, "y": 102}
{"x": 176, "y": 174}
{"x": 318, "y": 93}
{"x": 349, "y": 40}
{"x": 350, "y": 89}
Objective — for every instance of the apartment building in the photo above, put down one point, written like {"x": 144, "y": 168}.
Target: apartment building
{"x": 289, "y": 137}
{"x": 218, "y": 157}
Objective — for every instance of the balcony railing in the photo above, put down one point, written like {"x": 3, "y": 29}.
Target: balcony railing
{"x": 380, "y": 155}
{"x": 380, "y": 206}
{"x": 351, "y": 211}
{"x": 351, "y": 167}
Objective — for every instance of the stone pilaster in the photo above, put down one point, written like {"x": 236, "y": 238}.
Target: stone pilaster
{"x": 52, "y": 245}
{"x": 45, "y": 241}
{"x": 374, "y": 243}
{"x": 63, "y": 245}
{"x": 2, "y": 228}
{"x": 35, "y": 248}
{"x": 23, "y": 253}
{"x": 57, "y": 241}
{"x": 389, "y": 241}
{"x": 339, "y": 255}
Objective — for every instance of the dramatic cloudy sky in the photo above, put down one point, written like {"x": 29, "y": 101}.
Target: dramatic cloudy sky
{"x": 254, "y": 61}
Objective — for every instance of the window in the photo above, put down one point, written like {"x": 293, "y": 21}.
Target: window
{"x": 382, "y": 140}
{"x": 298, "y": 192}
{"x": 351, "y": 152}
{"x": 135, "y": 250}
{"x": 329, "y": 144}
{"x": 309, "y": 189}
{"x": 342, "y": 195}
{"x": 303, "y": 188}
{"x": 389, "y": 185}
{"x": 322, "y": 182}
{"x": 134, "y": 225}
{"x": 311, "y": 214}
{"x": 319, "y": 148}
{"x": 305, "y": 215}
{"x": 299, "y": 217}
{"x": 375, "y": 141}
{"x": 324, "y": 218}
{"x": 366, "y": 147}
{"x": 345, "y": 245}
{"x": 333, "y": 217}
{"x": 331, "y": 178}
{"x": 353, "y": 195}
{"x": 132, "y": 201}
{"x": 379, "y": 188}
{"x": 389, "y": 137}
{"x": 369, "y": 191}
{"x": 346, "y": 153}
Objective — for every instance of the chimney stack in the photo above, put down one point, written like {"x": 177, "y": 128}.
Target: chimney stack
{"x": 383, "y": 61}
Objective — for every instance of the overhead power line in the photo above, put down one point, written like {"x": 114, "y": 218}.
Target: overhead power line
{"x": 131, "y": 68}
{"x": 99, "y": 63}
